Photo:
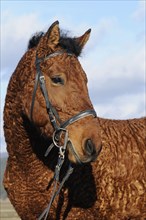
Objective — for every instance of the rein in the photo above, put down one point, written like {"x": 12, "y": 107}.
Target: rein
{"x": 60, "y": 131}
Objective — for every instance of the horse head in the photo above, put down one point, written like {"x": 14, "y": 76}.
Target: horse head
{"x": 56, "y": 99}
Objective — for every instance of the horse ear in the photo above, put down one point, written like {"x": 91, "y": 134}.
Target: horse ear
{"x": 83, "y": 39}
{"x": 49, "y": 41}
{"x": 53, "y": 35}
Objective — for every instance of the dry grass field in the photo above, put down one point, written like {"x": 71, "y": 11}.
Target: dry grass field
{"x": 7, "y": 211}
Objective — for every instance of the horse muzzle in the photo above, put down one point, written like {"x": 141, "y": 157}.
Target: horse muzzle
{"x": 91, "y": 152}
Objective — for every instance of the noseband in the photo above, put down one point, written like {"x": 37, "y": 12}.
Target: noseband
{"x": 60, "y": 131}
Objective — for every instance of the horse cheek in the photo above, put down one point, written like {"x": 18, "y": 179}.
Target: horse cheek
{"x": 38, "y": 117}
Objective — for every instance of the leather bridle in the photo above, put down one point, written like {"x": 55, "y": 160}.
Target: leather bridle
{"x": 60, "y": 131}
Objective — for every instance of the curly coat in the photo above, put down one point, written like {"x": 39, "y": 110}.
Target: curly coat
{"x": 111, "y": 188}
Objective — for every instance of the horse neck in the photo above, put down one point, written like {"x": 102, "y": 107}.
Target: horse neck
{"x": 24, "y": 142}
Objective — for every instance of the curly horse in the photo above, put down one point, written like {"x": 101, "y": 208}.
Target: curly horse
{"x": 47, "y": 102}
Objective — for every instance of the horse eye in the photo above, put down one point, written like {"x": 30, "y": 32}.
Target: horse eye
{"x": 57, "y": 80}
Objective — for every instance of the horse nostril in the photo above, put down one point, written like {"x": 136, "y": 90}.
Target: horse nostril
{"x": 89, "y": 147}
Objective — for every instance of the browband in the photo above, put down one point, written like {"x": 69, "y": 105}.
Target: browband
{"x": 60, "y": 52}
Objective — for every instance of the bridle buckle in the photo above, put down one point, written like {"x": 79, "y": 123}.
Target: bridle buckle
{"x": 42, "y": 79}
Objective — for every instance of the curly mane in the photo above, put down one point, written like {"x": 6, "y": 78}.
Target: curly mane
{"x": 67, "y": 43}
{"x": 35, "y": 39}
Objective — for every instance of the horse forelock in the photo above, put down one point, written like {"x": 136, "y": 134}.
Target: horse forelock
{"x": 69, "y": 44}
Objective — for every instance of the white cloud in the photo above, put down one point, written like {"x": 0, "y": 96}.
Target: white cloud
{"x": 99, "y": 33}
{"x": 15, "y": 33}
{"x": 127, "y": 65}
{"x": 117, "y": 85}
{"x": 116, "y": 74}
{"x": 123, "y": 107}
{"x": 140, "y": 13}
{"x": 19, "y": 27}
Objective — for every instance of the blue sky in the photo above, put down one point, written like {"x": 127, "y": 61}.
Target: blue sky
{"x": 114, "y": 58}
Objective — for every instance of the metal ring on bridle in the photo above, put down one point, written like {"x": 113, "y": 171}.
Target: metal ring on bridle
{"x": 57, "y": 135}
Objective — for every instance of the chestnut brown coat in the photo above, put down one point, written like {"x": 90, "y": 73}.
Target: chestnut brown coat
{"x": 112, "y": 187}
